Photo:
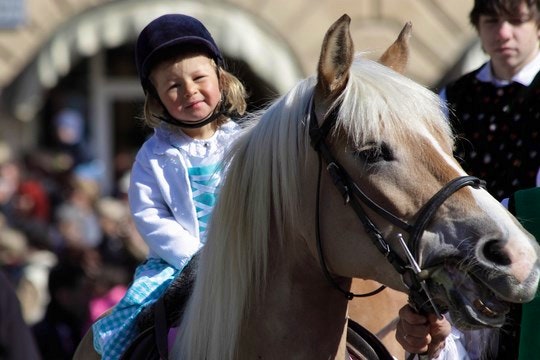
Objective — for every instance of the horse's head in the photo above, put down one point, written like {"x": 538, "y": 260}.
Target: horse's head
{"x": 387, "y": 149}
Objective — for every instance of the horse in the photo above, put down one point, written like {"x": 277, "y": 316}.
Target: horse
{"x": 350, "y": 175}
{"x": 285, "y": 241}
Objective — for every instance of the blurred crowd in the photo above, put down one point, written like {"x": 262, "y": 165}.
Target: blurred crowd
{"x": 68, "y": 251}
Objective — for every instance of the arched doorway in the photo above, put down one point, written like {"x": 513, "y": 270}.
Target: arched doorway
{"x": 89, "y": 62}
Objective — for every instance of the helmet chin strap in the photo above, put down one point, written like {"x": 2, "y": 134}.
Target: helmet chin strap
{"x": 169, "y": 119}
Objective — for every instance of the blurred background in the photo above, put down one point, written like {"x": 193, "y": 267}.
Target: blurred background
{"x": 70, "y": 106}
{"x": 77, "y": 55}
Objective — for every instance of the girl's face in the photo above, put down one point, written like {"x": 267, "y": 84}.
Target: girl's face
{"x": 188, "y": 86}
{"x": 510, "y": 42}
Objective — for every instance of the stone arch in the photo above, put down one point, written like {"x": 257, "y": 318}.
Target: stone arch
{"x": 240, "y": 35}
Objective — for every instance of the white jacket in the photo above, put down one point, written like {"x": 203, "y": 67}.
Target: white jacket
{"x": 160, "y": 195}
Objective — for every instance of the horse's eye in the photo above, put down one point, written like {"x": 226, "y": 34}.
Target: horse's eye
{"x": 373, "y": 153}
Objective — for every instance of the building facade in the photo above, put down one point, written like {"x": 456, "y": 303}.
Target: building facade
{"x": 78, "y": 54}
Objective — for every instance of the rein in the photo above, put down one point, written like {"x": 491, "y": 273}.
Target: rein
{"x": 356, "y": 198}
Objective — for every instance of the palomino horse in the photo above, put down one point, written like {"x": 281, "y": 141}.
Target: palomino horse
{"x": 287, "y": 238}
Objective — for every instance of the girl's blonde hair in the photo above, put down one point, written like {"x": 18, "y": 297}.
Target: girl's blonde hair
{"x": 233, "y": 95}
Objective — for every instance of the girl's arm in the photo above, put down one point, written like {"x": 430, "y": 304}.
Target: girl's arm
{"x": 164, "y": 235}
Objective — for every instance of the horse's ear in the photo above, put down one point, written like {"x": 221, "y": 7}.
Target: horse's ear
{"x": 397, "y": 54}
{"x": 337, "y": 54}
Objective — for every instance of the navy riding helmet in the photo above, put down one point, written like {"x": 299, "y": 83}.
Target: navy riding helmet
{"x": 164, "y": 34}
{"x": 167, "y": 32}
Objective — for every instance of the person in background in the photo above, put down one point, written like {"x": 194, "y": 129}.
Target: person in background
{"x": 76, "y": 218}
{"x": 118, "y": 246}
{"x": 16, "y": 340}
{"x": 67, "y": 316}
{"x": 175, "y": 178}
{"x": 16, "y": 265}
{"x": 495, "y": 109}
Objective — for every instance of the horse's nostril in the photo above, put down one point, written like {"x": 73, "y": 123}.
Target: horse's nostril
{"x": 493, "y": 251}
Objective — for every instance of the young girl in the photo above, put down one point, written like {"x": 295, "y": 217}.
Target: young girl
{"x": 176, "y": 173}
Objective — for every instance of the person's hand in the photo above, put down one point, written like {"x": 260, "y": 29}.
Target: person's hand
{"x": 421, "y": 334}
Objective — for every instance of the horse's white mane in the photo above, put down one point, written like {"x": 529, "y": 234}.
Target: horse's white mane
{"x": 376, "y": 93}
{"x": 261, "y": 190}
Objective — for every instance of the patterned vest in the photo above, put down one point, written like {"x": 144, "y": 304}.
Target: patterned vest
{"x": 498, "y": 132}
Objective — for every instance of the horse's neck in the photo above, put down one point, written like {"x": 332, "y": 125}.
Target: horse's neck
{"x": 301, "y": 316}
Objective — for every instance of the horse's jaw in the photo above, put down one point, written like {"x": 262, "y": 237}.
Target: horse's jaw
{"x": 471, "y": 305}
{"x": 471, "y": 298}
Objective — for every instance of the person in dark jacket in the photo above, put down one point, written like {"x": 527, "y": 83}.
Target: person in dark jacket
{"x": 495, "y": 109}
{"x": 67, "y": 316}
{"x": 16, "y": 340}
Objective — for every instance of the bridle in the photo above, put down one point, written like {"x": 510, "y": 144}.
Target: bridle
{"x": 357, "y": 199}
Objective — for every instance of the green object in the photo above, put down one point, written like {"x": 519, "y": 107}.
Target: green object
{"x": 527, "y": 205}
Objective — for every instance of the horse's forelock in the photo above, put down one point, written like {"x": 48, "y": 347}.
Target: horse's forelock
{"x": 375, "y": 92}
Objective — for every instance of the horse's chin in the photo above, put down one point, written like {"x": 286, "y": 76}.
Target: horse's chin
{"x": 470, "y": 303}
{"x": 470, "y": 314}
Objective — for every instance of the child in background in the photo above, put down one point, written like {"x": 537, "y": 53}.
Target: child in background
{"x": 176, "y": 174}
